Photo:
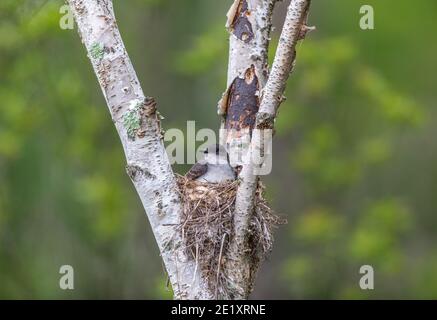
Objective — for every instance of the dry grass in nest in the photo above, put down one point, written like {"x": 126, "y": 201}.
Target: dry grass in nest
{"x": 207, "y": 226}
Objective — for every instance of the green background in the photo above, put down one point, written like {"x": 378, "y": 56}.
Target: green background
{"x": 354, "y": 156}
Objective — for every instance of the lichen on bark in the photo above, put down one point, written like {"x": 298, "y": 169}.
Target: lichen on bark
{"x": 97, "y": 51}
{"x": 132, "y": 119}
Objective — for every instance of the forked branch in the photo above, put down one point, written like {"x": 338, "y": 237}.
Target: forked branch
{"x": 250, "y": 102}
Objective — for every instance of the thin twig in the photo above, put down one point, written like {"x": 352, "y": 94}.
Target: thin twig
{"x": 219, "y": 265}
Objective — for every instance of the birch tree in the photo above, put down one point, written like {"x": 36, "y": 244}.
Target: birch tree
{"x": 248, "y": 107}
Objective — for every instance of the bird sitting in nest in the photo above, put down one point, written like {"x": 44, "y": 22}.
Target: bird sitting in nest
{"x": 214, "y": 167}
{"x": 208, "y": 192}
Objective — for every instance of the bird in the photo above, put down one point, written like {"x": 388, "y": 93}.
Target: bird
{"x": 214, "y": 167}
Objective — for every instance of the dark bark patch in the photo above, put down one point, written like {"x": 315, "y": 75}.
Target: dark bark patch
{"x": 241, "y": 26}
{"x": 243, "y": 102}
{"x": 136, "y": 172}
{"x": 149, "y": 107}
{"x": 79, "y": 7}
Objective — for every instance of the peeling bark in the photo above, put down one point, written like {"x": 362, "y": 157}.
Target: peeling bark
{"x": 248, "y": 59}
{"x": 240, "y": 26}
{"x": 243, "y": 54}
{"x": 243, "y": 102}
{"x": 137, "y": 123}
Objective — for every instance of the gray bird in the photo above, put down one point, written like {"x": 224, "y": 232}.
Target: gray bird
{"x": 214, "y": 167}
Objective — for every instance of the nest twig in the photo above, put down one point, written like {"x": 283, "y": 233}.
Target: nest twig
{"x": 207, "y": 227}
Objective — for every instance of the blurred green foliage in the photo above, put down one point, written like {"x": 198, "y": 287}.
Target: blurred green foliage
{"x": 354, "y": 154}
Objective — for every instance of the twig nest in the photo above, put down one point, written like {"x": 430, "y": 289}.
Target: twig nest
{"x": 199, "y": 191}
{"x": 207, "y": 226}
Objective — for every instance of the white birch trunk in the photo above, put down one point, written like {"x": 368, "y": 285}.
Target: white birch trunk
{"x": 137, "y": 124}
{"x": 244, "y": 54}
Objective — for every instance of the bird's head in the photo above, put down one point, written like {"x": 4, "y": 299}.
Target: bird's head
{"x": 216, "y": 154}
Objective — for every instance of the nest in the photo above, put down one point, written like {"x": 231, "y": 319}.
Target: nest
{"x": 207, "y": 227}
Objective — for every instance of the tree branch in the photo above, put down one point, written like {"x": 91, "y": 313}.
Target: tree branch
{"x": 249, "y": 24}
{"x": 294, "y": 30}
{"x": 137, "y": 123}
